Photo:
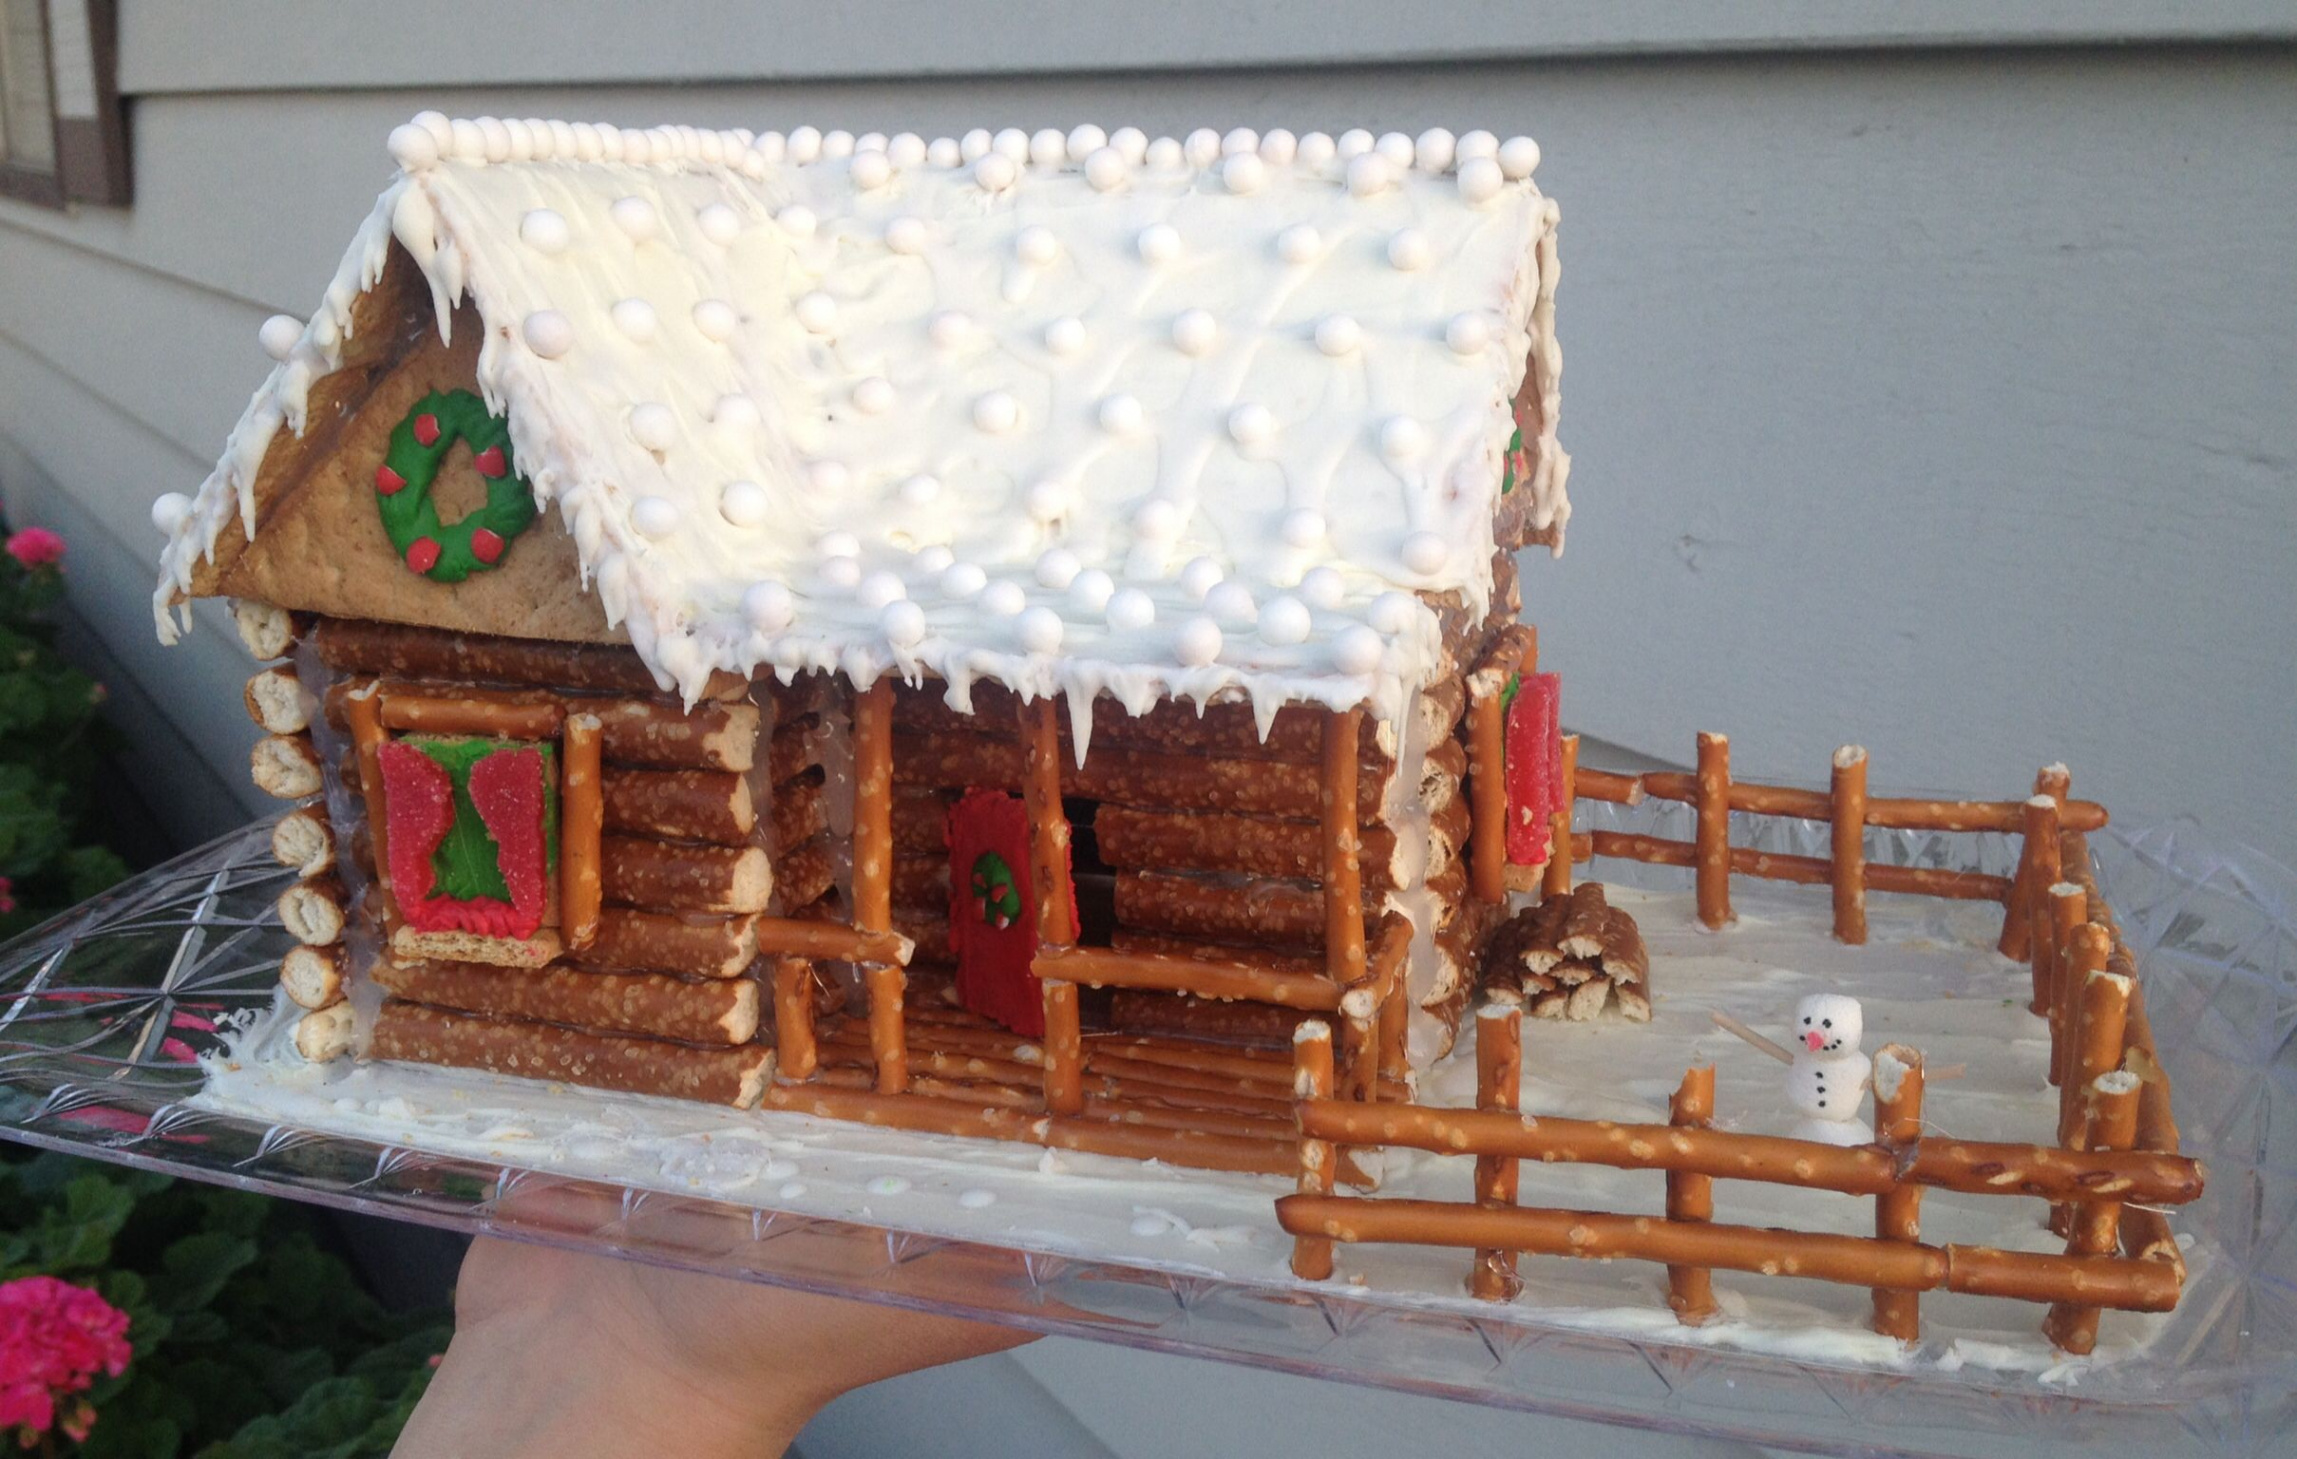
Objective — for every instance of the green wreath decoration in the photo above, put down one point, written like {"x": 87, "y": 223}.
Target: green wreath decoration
{"x": 996, "y": 895}
{"x": 420, "y": 441}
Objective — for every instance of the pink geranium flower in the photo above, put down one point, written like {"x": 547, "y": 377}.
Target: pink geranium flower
{"x": 7, "y": 895}
{"x": 54, "y": 1339}
{"x": 36, "y": 547}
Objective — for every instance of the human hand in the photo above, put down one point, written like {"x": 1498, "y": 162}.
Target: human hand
{"x": 567, "y": 1355}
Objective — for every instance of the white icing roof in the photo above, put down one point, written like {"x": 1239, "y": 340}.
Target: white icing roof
{"x": 1071, "y": 411}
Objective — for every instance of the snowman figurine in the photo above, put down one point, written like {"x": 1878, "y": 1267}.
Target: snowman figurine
{"x": 1827, "y": 1077}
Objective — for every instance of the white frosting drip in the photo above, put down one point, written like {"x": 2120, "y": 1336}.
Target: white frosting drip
{"x": 716, "y": 349}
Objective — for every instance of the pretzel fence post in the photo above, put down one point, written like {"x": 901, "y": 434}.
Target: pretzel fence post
{"x": 796, "y": 1055}
{"x": 2069, "y": 909}
{"x": 1898, "y": 1212}
{"x": 1555, "y": 881}
{"x": 1499, "y": 1086}
{"x": 2017, "y": 923}
{"x": 1064, "y": 1049}
{"x": 1712, "y": 846}
{"x": 1319, "y": 1159}
{"x": 1846, "y": 806}
{"x": 2099, "y": 1003}
{"x": 2038, "y": 871}
{"x": 2109, "y": 1123}
{"x": 888, "y": 1039}
{"x": 1691, "y": 1289}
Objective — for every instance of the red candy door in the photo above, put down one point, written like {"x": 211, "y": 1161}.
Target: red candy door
{"x": 992, "y": 914}
{"x": 1534, "y": 767}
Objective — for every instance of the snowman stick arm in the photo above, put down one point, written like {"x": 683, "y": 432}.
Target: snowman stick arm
{"x": 1728, "y": 1024}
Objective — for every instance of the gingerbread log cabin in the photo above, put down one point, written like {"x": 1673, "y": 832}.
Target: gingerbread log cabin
{"x": 982, "y": 637}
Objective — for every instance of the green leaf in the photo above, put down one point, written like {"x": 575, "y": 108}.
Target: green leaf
{"x": 195, "y": 1269}
{"x": 467, "y": 861}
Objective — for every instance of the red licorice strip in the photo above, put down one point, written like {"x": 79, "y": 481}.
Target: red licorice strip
{"x": 418, "y": 808}
{"x": 506, "y": 787}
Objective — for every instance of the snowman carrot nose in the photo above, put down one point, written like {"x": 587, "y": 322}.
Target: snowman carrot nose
{"x": 1813, "y": 1039}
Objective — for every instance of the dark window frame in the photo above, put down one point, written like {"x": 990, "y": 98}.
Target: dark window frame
{"x": 91, "y": 152}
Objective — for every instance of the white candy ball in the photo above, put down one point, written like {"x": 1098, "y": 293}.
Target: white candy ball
{"x": 1316, "y": 149}
{"x": 840, "y": 572}
{"x": 907, "y": 234}
{"x": 962, "y": 580}
{"x": 1201, "y": 147}
{"x": 654, "y": 516}
{"x": 282, "y": 332}
{"x": 1065, "y": 336}
{"x": 1468, "y": 333}
{"x": 817, "y": 312}
{"x": 1198, "y": 643}
{"x": 1130, "y": 610}
{"x": 734, "y": 412}
{"x": 902, "y": 623}
{"x": 1012, "y": 142}
{"x": 1122, "y": 415}
{"x": 636, "y": 319}
{"x": 1048, "y": 500}
{"x": 880, "y": 588}
{"x": 1285, "y": 620}
{"x": 1239, "y": 139}
{"x": 413, "y": 147}
{"x": 1299, "y": 244}
{"x": 742, "y": 503}
{"x": 1200, "y": 577}
{"x": 1106, "y": 169}
{"x": 1158, "y": 243}
{"x": 1302, "y": 528}
{"x": 949, "y": 327}
{"x": 920, "y": 489}
{"x": 1409, "y": 250}
{"x": 932, "y": 561}
{"x": 829, "y": 478}
{"x": 1040, "y": 630}
{"x": 653, "y": 425}
{"x": 1231, "y": 602}
{"x": 873, "y": 396}
{"x": 1393, "y": 612}
{"x": 1035, "y": 245}
{"x": 1048, "y": 148}
{"x": 719, "y": 223}
{"x": 870, "y": 170}
{"x": 1131, "y": 143}
{"x": 805, "y": 143}
{"x": 1434, "y": 150}
{"x": 1425, "y": 553}
{"x": 1091, "y": 589}
{"x": 716, "y": 319}
{"x": 1369, "y": 175}
{"x": 1193, "y": 332}
{"x": 1397, "y": 149}
{"x": 436, "y": 124}
{"x": 1085, "y": 140}
{"x": 1354, "y": 143}
{"x": 838, "y": 544}
{"x": 1401, "y": 439}
{"x": 1157, "y": 520}
{"x": 772, "y": 146}
{"x": 636, "y": 217}
{"x": 1321, "y": 587}
{"x": 996, "y": 412}
{"x": 1164, "y": 154}
{"x": 944, "y": 152}
{"x": 1480, "y": 179}
{"x": 767, "y": 606}
{"x": 798, "y": 220}
{"x": 170, "y": 510}
{"x": 1057, "y": 567}
{"x": 1279, "y": 147}
{"x": 907, "y": 149}
{"x": 995, "y": 172}
{"x": 548, "y": 333}
{"x": 1478, "y": 143}
{"x": 976, "y": 144}
{"x": 497, "y": 138}
{"x": 1251, "y": 427}
{"x": 1357, "y": 650}
{"x": 1337, "y": 334}
{"x": 1518, "y": 158}
{"x": 544, "y": 231}
{"x": 1244, "y": 173}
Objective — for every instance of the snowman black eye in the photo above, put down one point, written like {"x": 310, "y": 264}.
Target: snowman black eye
{"x": 1828, "y": 1023}
{"x": 1806, "y": 1023}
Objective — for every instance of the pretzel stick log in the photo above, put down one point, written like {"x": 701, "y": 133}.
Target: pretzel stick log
{"x": 1146, "y": 778}
{"x": 2105, "y": 999}
{"x": 831, "y": 941}
{"x": 2110, "y": 1123}
{"x": 1605, "y": 785}
{"x": 1197, "y": 1149}
{"x": 1343, "y": 892}
{"x": 1499, "y": 1086}
{"x": 313, "y": 976}
{"x": 801, "y": 812}
{"x": 1487, "y": 787}
{"x": 1104, "y": 968}
{"x": 1623, "y": 957}
{"x": 325, "y": 1034}
{"x": 682, "y": 805}
{"x": 267, "y": 632}
{"x": 2069, "y": 908}
{"x": 1222, "y": 908}
{"x": 581, "y": 821}
{"x": 1172, "y": 726}
{"x": 663, "y": 877}
{"x": 276, "y": 702}
{"x": 313, "y": 910}
{"x": 286, "y": 767}
{"x": 920, "y": 820}
{"x": 303, "y": 840}
{"x": 1586, "y": 916}
{"x": 1319, "y": 1159}
{"x": 1246, "y": 1068}
{"x": 873, "y": 808}
{"x": 440, "y": 713}
{"x": 417, "y": 1033}
{"x": 927, "y": 929}
{"x": 1728, "y": 1024}
{"x": 722, "y": 1011}
{"x": 363, "y": 716}
{"x": 807, "y": 874}
{"x": 357, "y": 646}
{"x": 1260, "y": 1024}
{"x": 888, "y": 1040}
{"x": 794, "y": 1037}
{"x": 1131, "y": 837}
{"x": 694, "y": 946}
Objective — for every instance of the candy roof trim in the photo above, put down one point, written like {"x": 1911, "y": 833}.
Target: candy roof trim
{"x": 1071, "y": 411}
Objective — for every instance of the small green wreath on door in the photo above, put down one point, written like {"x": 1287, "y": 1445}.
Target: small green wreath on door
{"x": 996, "y": 896}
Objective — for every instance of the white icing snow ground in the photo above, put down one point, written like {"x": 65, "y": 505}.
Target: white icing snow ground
{"x": 1929, "y": 977}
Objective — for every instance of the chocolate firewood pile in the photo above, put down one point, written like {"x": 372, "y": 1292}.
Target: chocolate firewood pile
{"x": 1571, "y": 957}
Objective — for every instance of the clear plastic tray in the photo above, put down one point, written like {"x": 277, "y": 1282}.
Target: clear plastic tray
{"x": 103, "y": 1012}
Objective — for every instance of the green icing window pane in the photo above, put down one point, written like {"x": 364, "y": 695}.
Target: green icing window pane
{"x": 468, "y": 863}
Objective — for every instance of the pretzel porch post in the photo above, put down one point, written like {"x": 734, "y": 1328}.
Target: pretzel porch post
{"x": 1056, "y": 902}
{"x": 363, "y": 708}
{"x": 1312, "y": 1079}
{"x": 1487, "y": 787}
{"x": 1499, "y": 1086}
{"x": 1712, "y": 847}
{"x": 1898, "y": 1213}
{"x": 873, "y": 879}
{"x": 1691, "y": 1197}
{"x": 1847, "y": 809}
{"x": 2110, "y": 1123}
{"x": 1343, "y": 849}
{"x": 796, "y": 1053}
{"x": 581, "y": 826}
{"x": 1555, "y": 880}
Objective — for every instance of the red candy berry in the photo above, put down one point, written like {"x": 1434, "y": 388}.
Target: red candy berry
{"x": 490, "y": 462}
{"x": 427, "y": 428}
{"x": 486, "y": 546}
{"x": 389, "y": 482}
{"x": 423, "y": 554}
